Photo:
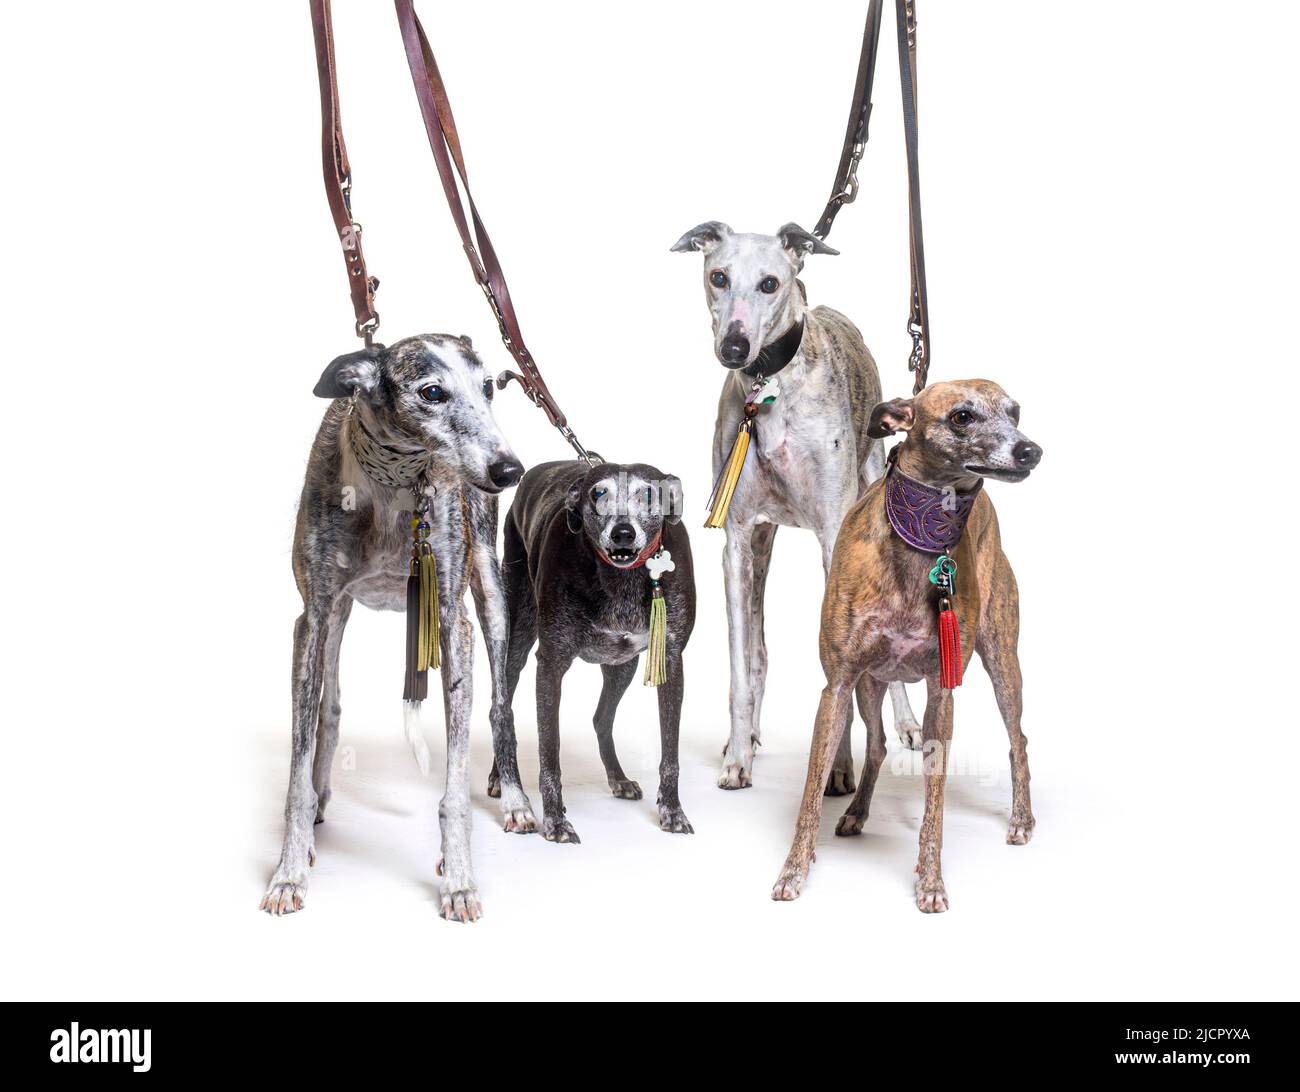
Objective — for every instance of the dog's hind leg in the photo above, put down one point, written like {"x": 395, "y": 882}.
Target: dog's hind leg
{"x": 931, "y": 897}
{"x": 870, "y": 694}
{"x": 288, "y": 888}
{"x": 761, "y": 541}
{"x": 837, "y": 701}
{"x": 738, "y": 580}
{"x": 490, "y": 602}
{"x": 617, "y": 679}
{"x": 999, "y": 635}
{"x": 458, "y": 896}
{"x": 327, "y": 731}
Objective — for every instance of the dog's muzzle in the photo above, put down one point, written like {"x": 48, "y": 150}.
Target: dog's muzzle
{"x": 734, "y": 348}
{"x": 504, "y": 473}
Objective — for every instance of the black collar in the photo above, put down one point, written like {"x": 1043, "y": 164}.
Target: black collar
{"x": 776, "y": 355}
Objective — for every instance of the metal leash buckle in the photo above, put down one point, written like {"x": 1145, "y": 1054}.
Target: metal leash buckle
{"x": 918, "y": 345}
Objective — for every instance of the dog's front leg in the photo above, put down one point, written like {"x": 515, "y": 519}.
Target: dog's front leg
{"x": 490, "y": 603}
{"x": 552, "y": 664}
{"x": 931, "y": 898}
{"x": 287, "y": 891}
{"x": 671, "y": 816}
{"x": 459, "y": 896}
{"x": 832, "y": 713}
{"x": 738, "y": 579}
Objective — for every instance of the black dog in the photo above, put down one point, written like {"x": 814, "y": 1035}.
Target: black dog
{"x": 582, "y": 546}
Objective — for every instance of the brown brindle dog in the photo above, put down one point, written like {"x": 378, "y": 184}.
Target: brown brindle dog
{"x": 879, "y": 615}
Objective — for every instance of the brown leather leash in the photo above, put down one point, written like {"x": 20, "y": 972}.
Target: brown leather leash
{"x": 443, "y": 139}
{"x": 440, "y": 126}
{"x": 338, "y": 176}
{"x": 845, "y": 190}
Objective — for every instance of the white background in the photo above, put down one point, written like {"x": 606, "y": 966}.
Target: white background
{"x": 1110, "y": 223}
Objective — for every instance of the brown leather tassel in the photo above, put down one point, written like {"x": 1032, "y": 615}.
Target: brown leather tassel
{"x": 417, "y": 681}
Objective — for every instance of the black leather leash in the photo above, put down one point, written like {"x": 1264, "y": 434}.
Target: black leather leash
{"x": 845, "y": 190}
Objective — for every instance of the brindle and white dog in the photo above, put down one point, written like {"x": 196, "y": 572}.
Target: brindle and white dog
{"x": 418, "y": 409}
{"x": 811, "y": 457}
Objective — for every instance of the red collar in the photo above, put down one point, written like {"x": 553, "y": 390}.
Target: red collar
{"x": 645, "y": 555}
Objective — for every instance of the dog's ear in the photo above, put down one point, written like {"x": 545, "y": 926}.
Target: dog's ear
{"x": 890, "y": 417}
{"x": 350, "y": 372}
{"x": 703, "y": 237}
{"x": 468, "y": 344}
{"x": 573, "y": 498}
{"x": 801, "y": 243}
{"x": 670, "y": 499}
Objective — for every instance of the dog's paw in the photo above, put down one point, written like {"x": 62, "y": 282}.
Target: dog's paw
{"x": 625, "y": 789}
{"x": 931, "y": 898}
{"x": 284, "y": 897}
{"x": 737, "y": 773}
{"x": 494, "y": 785}
{"x": 674, "y": 820}
{"x": 520, "y": 820}
{"x": 1020, "y": 830}
{"x": 850, "y": 823}
{"x": 909, "y": 732}
{"x": 789, "y": 885}
{"x": 840, "y": 782}
{"x": 461, "y": 904}
{"x": 559, "y": 830}
{"x": 322, "y": 798}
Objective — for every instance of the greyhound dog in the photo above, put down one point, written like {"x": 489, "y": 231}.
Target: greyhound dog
{"x": 812, "y": 456}
{"x": 417, "y": 411}
{"x": 582, "y": 547}
{"x": 879, "y": 614}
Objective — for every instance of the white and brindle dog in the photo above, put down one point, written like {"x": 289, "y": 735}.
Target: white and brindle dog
{"x": 418, "y": 410}
{"x": 810, "y": 458}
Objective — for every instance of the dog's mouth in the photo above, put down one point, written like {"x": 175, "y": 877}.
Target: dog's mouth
{"x": 622, "y": 557}
{"x": 998, "y": 473}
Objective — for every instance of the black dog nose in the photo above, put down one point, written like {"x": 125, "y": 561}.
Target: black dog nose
{"x": 505, "y": 472}
{"x": 1026, "y": 454}
{"x": 622, "y": 534}
{"x": 734, "y": 349}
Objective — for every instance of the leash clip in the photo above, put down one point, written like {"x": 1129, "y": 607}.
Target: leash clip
{"x": 918, "y": 345}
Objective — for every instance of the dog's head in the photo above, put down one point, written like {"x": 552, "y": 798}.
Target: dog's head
{"x": 622, "y": 508}
{"x": 429, "y": 393}
{"x": 749, "y": 282}
{"x": 958, "y": 431}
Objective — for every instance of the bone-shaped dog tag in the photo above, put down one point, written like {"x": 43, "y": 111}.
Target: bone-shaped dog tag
{"x": 659, "y": 563}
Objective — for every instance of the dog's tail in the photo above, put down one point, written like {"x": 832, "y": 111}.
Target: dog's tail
{"x": 411, "y": 722}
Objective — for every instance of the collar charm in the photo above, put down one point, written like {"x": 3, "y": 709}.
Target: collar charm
{"x": 944, "y": 577}
{"x": 656, "y": 656}
{"x": 423, "y": 636}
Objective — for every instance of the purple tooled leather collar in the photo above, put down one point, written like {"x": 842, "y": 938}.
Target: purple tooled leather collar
{"x": 926, "y": 517}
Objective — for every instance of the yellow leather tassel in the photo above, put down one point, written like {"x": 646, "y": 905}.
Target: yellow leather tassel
{"x": 430, "y": 645}
{"x": 722, "y": 492}
{"x": 656, "y": 654}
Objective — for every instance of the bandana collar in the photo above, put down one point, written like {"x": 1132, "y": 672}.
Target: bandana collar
{"x": 389, "y": 466}
{"x": 772, "y": 358}
{"x": 926, "y": 517}
{"x": 652, "y": 548}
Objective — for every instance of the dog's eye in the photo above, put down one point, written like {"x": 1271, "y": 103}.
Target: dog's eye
{"x": 598, "y": 493}
{"x": 768, "y": 285}
{"x": 718, "y": 279}
{"x": 434, "y": 393}
{"x": 961, "y": 418}
{"x": 649, "y": 494}
{"x": 488, "y": 388}
{"x": 1014, "y": 414}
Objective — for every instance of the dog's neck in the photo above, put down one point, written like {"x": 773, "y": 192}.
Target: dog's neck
{"x": 383, "y": 463}
{"x": 927, "y": 516}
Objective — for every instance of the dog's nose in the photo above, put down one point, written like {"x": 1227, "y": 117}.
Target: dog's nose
{"x": 1026, "y": 455}
{"x": 505, "y": 472}
{"x": 734, "y": 349}
{"x": 622, "y": 534}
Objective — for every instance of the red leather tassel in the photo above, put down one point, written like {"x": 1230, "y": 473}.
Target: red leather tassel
{"x": 949, "y": 650}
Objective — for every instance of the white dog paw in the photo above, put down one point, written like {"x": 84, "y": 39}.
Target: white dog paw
{"x": 737, "y": 773}
{"x": 460, "y": 904}
{"x": 910, "y": 734}
{"x": 284, "y": 897}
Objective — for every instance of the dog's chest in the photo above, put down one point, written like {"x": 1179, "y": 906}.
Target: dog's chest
{"x": 619, "y": 632}
{"x": 900, "y": 642}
